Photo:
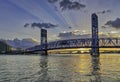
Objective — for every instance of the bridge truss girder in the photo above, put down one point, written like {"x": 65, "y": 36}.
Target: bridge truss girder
{"x": 79, "y": 43}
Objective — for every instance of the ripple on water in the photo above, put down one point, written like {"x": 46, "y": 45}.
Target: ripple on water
{"x": 60, "y": 68}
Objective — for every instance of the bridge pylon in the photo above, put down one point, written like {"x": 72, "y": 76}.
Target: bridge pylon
{"x": 44, "y": 41}
{"x": 95, "y": 36}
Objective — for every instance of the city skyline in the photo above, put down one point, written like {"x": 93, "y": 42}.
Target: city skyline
{"x": 15, "y": 14}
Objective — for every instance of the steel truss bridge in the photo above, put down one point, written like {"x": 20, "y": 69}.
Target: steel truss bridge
{"x": 77, "y": 43}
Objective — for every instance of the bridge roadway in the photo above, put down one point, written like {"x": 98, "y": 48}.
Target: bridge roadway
{"x": 78, "y": 43}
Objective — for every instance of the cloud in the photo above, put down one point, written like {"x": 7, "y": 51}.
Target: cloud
{"x": 103, "y": 27}
{"x": 66, "y": 34}
{"x": 73, "y": 35}
{"x": 68, "y": 4}
{"x": 22, "y": 44}
{"x": 70, "y": 27}
{"x": 52, "y": 1}
{"x": 104, "y": 11}
{"x": 41, "y": 25}
{"x": 114, "y": 23}
{"x": 26, "y": 25}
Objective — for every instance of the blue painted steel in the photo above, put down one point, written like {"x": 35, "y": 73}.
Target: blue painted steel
{"x": 78, "y": 43}
{"x": 95, "y": 38}
{"x": 44, "y": 40}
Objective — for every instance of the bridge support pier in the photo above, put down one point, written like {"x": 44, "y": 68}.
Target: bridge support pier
{"x": 95, "y": 38}
{"x": 44, "y": 41}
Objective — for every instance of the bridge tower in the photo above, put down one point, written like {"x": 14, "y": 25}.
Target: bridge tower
{"x": 95, "y": 38}
{"x": 44, "y": 40}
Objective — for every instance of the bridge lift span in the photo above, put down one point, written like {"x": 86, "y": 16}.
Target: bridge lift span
{"x": 86, "y": 43}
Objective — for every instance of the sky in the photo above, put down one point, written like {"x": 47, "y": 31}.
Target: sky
{"x": 70, "y": 21}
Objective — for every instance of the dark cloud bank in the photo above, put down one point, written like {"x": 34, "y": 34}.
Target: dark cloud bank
{"x": 72, "y": 35}
{"x": 104, "y": 12}
{"x": 41, "y": 25}
{"x": 68, "y": 4}
{"x": 52, "y": 1}
{"x": 114, "y": 23}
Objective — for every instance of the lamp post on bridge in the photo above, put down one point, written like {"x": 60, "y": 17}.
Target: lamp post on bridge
{"x": 95, "y": 36}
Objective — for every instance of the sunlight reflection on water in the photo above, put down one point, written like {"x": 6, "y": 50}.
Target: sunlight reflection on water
{"x": 60, "y": 68}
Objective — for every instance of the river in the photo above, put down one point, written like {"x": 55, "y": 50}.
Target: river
{"x": 60, "y": 68}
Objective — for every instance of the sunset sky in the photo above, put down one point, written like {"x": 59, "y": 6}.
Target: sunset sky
{"x": 14, "y": 14}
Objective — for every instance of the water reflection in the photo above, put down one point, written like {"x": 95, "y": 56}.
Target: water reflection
{"x": 43, "y": 73}
{"x": 60, "y": 68}
{"x": 95, "y": 69}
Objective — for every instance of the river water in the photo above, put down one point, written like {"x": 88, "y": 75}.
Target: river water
{"x": 60, "y": 68}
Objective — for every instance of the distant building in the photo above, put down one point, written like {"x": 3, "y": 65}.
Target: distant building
{"x": 4, "y": 47}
